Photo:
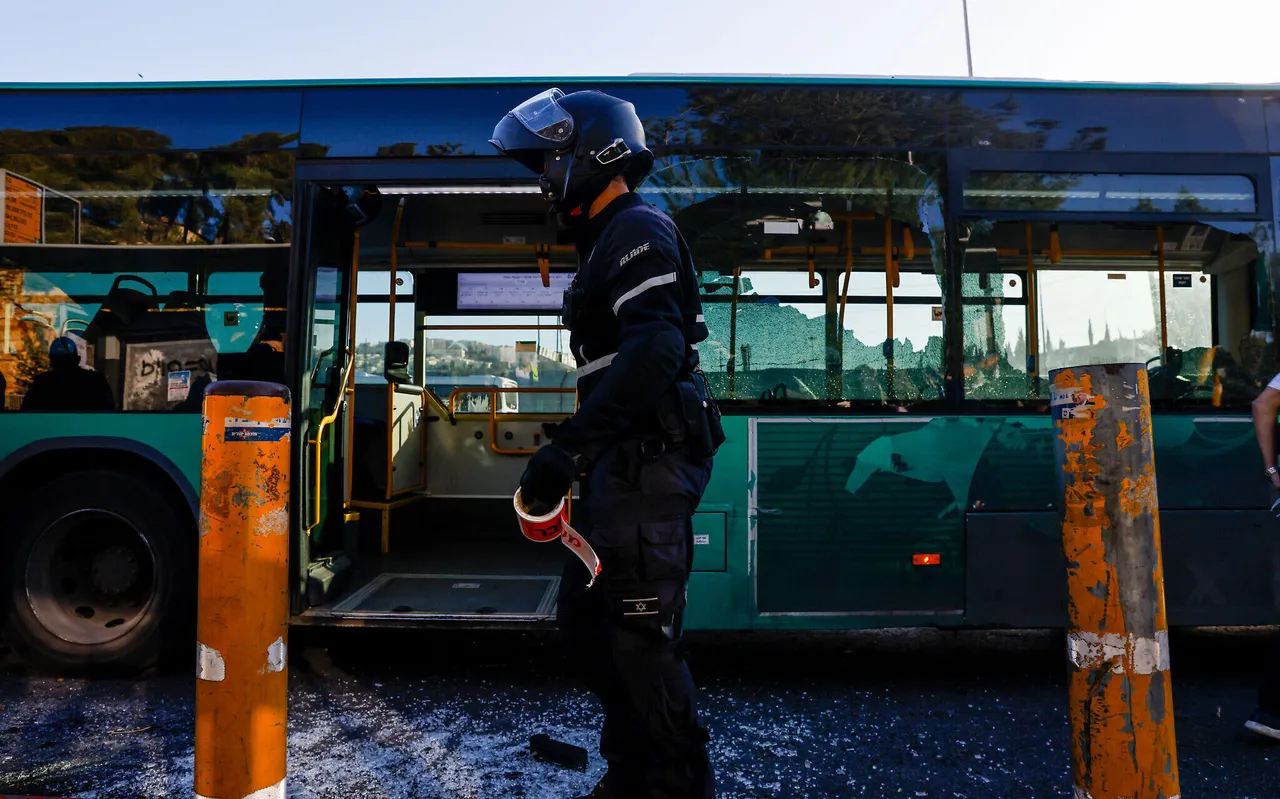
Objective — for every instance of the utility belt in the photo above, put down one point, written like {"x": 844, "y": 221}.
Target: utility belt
{"x": 688, "y": 421}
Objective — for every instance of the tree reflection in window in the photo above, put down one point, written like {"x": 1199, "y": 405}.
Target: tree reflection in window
{"x": 166, "y": 269}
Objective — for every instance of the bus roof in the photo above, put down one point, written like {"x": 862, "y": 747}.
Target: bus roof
{"x": 653, "y": 78}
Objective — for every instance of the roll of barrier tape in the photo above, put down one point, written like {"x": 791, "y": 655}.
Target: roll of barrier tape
{"x": 555, "y": 525}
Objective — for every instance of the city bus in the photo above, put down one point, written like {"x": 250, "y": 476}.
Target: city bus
{"x": 890, "y": 268}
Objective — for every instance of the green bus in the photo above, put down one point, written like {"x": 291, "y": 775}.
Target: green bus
{"x": 890, "y": 268}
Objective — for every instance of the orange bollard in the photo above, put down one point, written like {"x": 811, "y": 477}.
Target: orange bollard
{"x": 1120, "y": 696}
{"x": 243, "y": 612}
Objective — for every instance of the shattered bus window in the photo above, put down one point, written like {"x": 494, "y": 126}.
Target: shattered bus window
{"x": 823, "y": 276}
{"x": 1188, "y": 300}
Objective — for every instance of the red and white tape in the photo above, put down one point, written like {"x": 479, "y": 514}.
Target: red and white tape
{"x": 555, "y": 525}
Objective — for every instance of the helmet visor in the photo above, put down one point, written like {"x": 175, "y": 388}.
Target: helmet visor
{"x": 544, "y": 117}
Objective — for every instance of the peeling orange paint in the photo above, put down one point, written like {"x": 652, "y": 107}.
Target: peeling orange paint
{"x": 243, "y": 597}
{"x": 1123, "y": 438}
{"x": 1122, "y": 741}
{"x": 1138, "y": 496}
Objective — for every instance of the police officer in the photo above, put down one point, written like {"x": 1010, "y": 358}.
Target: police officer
{"x": 642, "y": 439}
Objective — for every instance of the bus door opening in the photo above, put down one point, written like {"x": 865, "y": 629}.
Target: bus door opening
{"x": 459, "y": 371}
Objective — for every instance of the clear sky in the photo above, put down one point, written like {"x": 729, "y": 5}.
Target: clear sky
{"x": 1117, "y": 40}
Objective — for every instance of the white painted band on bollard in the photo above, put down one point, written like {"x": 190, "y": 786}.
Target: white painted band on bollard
{"x": 1090, "y": 650}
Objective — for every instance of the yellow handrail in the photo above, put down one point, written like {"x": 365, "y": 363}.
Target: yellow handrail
{"x": 315, "y": 442}
{"x": 493, "y": 410}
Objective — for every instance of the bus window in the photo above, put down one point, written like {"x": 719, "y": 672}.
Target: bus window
{"x": 775, "y": 333}
{"x": 1187, "y": 300}
{"x": 1072, "y": 192}
{"x": 373, "y": 320}
{"x": 821, "y": 277}
{"x": 481, "y": 352}
{"x": 156, "y": 287}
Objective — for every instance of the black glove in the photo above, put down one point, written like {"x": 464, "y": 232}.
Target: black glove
{"x": 547, "y": 479}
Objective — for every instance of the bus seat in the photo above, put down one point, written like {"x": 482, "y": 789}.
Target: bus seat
{"x": 181, "y": 299}
{"x": 405, "y": 439}
{"x": 395, "y": 360}
{"x": 123, "y": 307}
{"x": 389, "y": 419}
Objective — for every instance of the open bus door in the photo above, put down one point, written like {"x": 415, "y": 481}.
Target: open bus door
{"x": 323, "y": 416}
{"x": 410, "y": 451}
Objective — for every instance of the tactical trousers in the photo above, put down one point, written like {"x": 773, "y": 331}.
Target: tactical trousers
{"x": 622, "y": 635}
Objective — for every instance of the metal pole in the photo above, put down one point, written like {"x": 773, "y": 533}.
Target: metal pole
{"x": 1120, "y": 697}
{"x": 243, "y": 597}
{"x": 968, "y": 50}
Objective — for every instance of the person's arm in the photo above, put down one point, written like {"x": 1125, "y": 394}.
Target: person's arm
{"x": 1265, "y": 409}
{"x": 645, "y": 294}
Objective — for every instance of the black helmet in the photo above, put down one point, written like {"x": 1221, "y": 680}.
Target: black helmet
{"x": 576, "y": 144}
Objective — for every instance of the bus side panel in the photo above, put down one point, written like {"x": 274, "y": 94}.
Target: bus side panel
{"x": 1222, "y": 567}
{"x": 720, "y": 586}
{"x": 1015, "y": 574}
{"x": 845, "y": 506}
{"x": 175, "y": 436}
{"x": 1016, "y": 569}
{"x": 1219, "y": 544}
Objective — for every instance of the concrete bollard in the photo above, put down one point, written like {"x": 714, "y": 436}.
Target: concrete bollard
{"x": 243, "y": 610}
{"x": 1121, "y": 703}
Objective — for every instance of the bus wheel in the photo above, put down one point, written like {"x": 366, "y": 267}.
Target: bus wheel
{"x": 101, "y": 576}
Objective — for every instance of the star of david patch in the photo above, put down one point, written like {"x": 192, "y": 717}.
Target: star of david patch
{"x": 643, "y": 606}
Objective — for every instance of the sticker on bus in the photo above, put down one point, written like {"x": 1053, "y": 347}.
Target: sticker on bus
{"x": 179, "y": 385}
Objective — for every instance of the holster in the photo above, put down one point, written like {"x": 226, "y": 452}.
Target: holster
{"x": 690, "y": 419}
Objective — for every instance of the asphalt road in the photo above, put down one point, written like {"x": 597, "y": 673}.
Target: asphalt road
{"x": 873, "y": 714}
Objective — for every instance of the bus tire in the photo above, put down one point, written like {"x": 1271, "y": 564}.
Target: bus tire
{"x": 100, "y": 576}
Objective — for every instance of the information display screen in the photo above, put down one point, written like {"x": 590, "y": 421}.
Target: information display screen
{"x": 510, "y": 291}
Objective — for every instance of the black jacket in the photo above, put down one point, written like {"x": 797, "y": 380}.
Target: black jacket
{"x": 635, "y": 318}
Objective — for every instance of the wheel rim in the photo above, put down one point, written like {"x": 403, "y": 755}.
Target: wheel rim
{"x": 90, "y": 577}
